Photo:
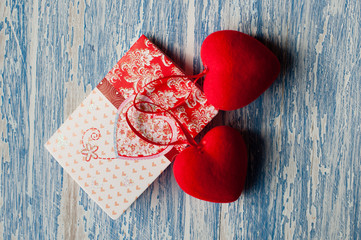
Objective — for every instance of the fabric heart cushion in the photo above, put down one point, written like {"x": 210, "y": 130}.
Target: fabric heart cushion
{"x": 215, "y": 170}
{"x": 240, "y": 69}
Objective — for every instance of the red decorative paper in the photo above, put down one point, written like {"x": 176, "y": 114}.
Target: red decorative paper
{"x": 134, "y": 72}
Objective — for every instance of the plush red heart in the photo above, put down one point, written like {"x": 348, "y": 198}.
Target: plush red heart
{"x": 240, "y": 69}
{"x": 216, "y": 169}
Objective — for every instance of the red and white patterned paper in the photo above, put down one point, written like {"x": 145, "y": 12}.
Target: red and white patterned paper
{"x": 98, "y": 149}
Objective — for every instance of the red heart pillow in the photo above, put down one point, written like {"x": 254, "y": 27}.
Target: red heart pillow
{"x": 216, "y": 169}
{"x": 240, "y": 69}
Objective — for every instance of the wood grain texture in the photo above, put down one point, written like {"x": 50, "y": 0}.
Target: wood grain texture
{"x": 303, "y": 134}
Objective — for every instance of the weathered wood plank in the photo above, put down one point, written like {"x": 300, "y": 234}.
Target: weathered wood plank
{"x": 303, "y": 134}
{"x": 307, "y": 130}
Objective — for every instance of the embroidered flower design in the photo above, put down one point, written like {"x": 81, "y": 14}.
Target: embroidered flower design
{"x": 89, "y": 152}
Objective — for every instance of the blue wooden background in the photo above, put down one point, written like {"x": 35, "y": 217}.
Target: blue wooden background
{"x": 303, "y": 134}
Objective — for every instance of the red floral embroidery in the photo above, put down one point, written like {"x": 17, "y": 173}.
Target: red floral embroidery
{"x": 89, "y": 152}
